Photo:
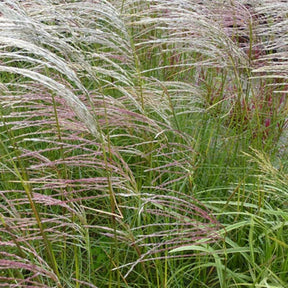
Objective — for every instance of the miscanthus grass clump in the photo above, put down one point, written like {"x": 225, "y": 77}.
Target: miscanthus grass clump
{"x": 143, "y": 143}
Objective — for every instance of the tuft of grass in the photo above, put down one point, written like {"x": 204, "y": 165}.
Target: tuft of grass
{"x": 143, "y": 143}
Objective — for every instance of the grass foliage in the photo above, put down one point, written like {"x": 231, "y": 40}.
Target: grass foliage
{"x": 143, "y": 143}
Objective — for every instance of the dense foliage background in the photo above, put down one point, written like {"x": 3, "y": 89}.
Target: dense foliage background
{"x": 143, "y": 143}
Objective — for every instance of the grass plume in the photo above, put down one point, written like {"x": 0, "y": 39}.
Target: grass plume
{"x": 143, "y": 143}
